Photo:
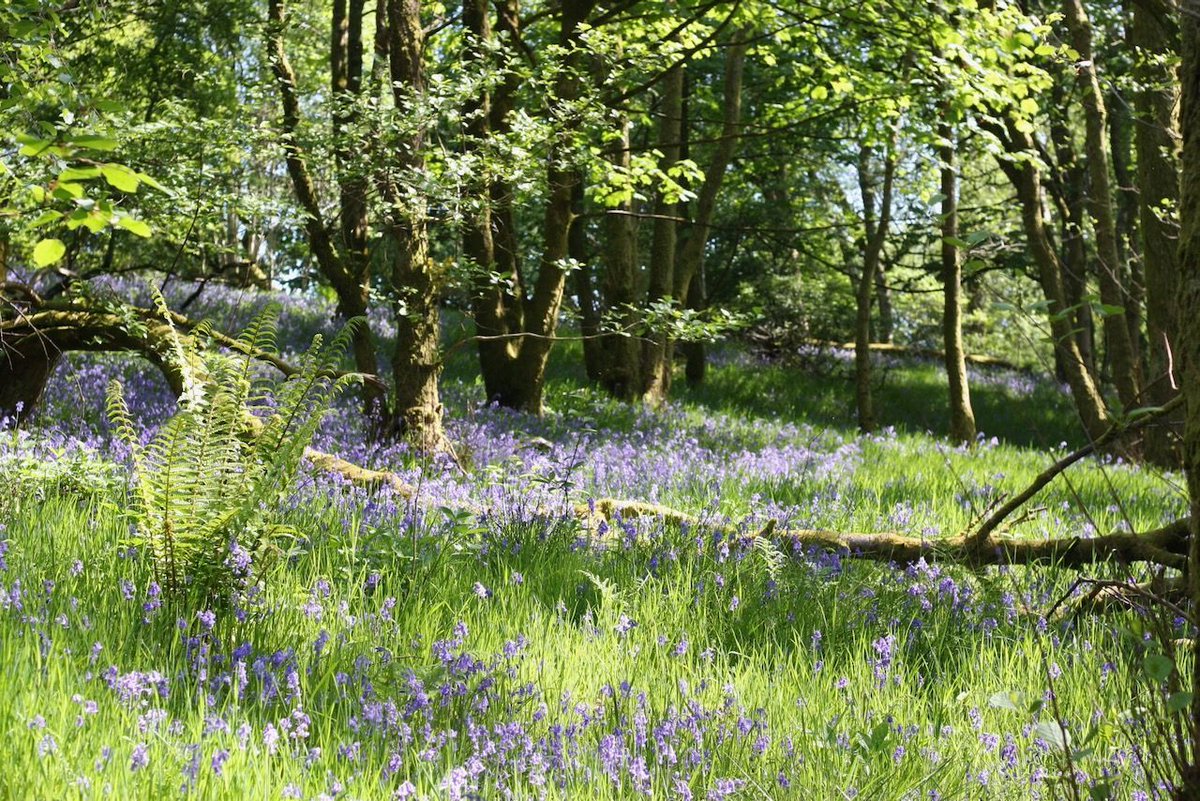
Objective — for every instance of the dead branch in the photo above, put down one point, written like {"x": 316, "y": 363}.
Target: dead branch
{"x": 1113, "y": 433}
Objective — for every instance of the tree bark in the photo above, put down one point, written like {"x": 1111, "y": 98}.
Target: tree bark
{"x": 885, "y": 324}
{"x": 1189, "y": 336}
{"x": 622, "y": 352}
{"x": 1072, "y": 181}
{"x": 656, "y": 367}
{"x": 1026, "y": 179}
{"x": 1113, "y": 274}
{"x": 1156, "y": 139}
{"x": 962, "y": 417}
{"x": 689, "y": 267}
{"x": 1120, "y": 126}
{"x": 585, "y": 289}
{"x": 499, "y": 295}
{"x": 345, "y": 263}
{"x": 416, "y": 284}
{"x": 515, "y": 375}
{"x": 876, "y": 221}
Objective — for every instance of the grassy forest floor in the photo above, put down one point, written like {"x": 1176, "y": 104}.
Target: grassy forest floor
{"x": 396, "y": 651}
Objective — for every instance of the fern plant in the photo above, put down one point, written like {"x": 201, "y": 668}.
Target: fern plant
{"x": 217, "y": 473}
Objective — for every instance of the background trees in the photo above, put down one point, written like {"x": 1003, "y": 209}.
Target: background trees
{"x": 897, "y": 175}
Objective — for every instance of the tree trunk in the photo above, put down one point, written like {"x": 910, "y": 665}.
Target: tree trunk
{"x": 695, "y": 352}
{"x": 499, "y": 288}
{"x": 885, "y": 324}
{"x": 1156, "y": 138}
{"x": 690, "y": 285}
{"x": 1112, "y": 272}
{"x": 346, "y": 74}
{"x": 1072, "y": 179}
{"x": 345, "y": 263}
{"x": 622, "y": 352}
{"x": 585, "y": 289}
{"x": 962, "y": 417}
{"x": 1027, "y": 180}
{"x": 415, "y": 283}
{"x": 515, "y": 374}
{"x": 875, "y": 225}
{"x": 1189, "y": 336}
{"x": 656, "y": 366}
{"x": 1128, "y": 251}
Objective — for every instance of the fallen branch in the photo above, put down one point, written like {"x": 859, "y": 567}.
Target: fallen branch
{"x": 1164, "y": 546}
{"x": 1113, "y": 433}
{"x": 1110, "y": 595}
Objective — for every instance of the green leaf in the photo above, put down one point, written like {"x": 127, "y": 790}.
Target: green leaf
{"x": 79, "y": 173}
{"x": 121, "y": 177}
{"x": 68, "y": 191}
{"x": 819, "y": 93}
{"x": 32, "y": 145}
{"x": 45, "y": 218}
{"x": 1158, "y": 667}
{"x": 1029, "y": 106}
{"x": 94, "y": 142}
{"x": 148, "y": 181}
{"x": 48, "y": 251}
{"x": 134, "y": 226}
{"x": 96, "y": 222}
{"x": 1008, "y": 699}
{"x": 1177, "y": 702}
{"x": 1054, "y": 734}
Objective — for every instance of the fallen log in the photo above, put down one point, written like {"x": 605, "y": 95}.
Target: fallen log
{"x": 1166, "y": 546}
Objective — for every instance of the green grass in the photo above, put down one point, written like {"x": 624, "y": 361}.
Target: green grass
{"x": 838, "y": 721}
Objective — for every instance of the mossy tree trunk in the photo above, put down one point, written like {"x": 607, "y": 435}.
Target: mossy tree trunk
{"x": 416, "y": 283}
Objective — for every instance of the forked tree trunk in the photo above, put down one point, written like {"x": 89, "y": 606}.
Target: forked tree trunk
{"x": 344, "y": 261}
{"x": 515, "y": 374}
{"x": 1113, "y": 274}
{"x": 491, "y": 242}
{"x": 1156, "y": 138}
{"x": 416, "y": 284}
{"x": 962, "y": 417}
{"x": 877, "y": 217}
{"x": 1026, "y": 179}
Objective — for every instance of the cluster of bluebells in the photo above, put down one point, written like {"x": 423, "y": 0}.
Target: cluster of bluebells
{"x": 353, "y": 706}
